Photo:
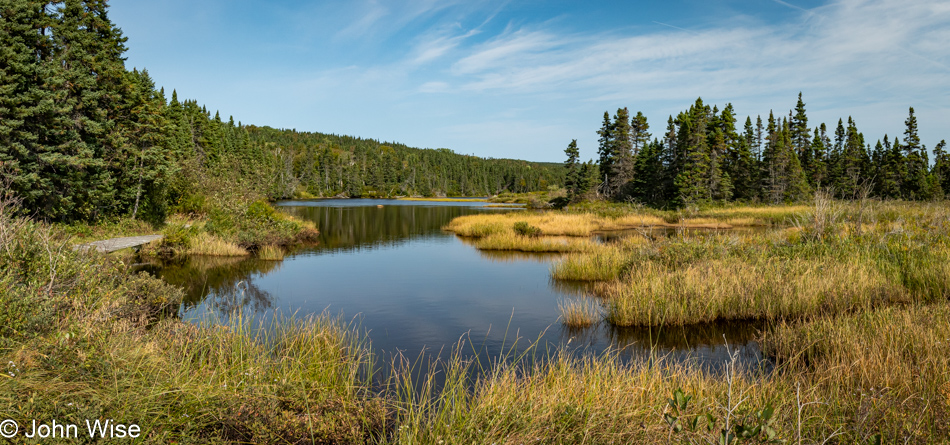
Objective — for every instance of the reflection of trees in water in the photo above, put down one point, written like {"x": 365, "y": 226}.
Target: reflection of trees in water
{"x": 222, "y": 283}
{"x": 354, "y": 227}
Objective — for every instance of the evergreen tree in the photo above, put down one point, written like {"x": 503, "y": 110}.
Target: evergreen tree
{"x": 648, "y": 175}
{"x": 757, "y": 148}
{"x": 25, "y": 46}
{"x": 605, "y": 152}
{"x": 817, "y": 159}
{"x": 691, "y": 182}
{"x": 851, "y": 163}
{"x": 744, "y": 168}
{"x": 573, "y": 177}
{"x": 622, "y": 151}
{"x": 800, "y": 132}
{"x": 785, "y": 178}
{"x": 143, "y": 164}
{"x": 915, "y": 185}
{"x": 639, "y": 132}
{"x": 941, "y": 168}
{"x": 590, "y": 178}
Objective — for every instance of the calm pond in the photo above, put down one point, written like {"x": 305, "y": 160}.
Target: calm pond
{"x": 416, "y": 288}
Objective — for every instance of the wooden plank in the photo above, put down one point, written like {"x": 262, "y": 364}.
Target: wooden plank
{"x": 113, "y": 244}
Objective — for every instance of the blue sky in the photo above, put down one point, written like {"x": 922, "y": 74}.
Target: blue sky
{"x": 520, "y": 79}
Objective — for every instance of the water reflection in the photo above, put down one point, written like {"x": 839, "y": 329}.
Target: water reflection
{"x": 223, "y": 283}
{"x": 707, "y": 345}
{"x": 358, "y": 224}
{"x": 417, "y": 288}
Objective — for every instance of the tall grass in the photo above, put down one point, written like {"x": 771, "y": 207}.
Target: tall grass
{"x": 210, "y": 245}
{"x": 271, "y": 253}
{"x": 889, "y": 367}
{"x": 598, "y": 264}
{"x": 511, "y": 241}
{"x": 579, "y": 313}
{"x": 82, "y": 339}
{"x": 730, "y": 289}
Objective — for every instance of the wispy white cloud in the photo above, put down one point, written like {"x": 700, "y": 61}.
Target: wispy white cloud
{"x": 851, "y": 49}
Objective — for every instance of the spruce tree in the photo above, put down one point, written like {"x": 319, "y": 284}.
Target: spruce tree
{"x": 915, "y": 184}
{"x": 800, "y": 132}
{"x": 622, "y": 150}
{"x": 572, "y": 178}
{"x": 639, "y": 132}
{"x": 605, "y": 152}
{"x": 941, "y": 168}
{"x": 25, "y": 46}
{"x": 646, "y": 186}
{"x": 691, "y": 182}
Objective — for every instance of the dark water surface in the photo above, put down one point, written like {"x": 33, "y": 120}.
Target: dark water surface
{"x": 416, "y": 288}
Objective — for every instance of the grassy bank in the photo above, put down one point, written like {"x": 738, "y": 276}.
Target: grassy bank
{"x": 84, "y": 339}
{"x": 238, "y": 229}
{"x": 833, "y": 258}
{"x": 879, "y": 377}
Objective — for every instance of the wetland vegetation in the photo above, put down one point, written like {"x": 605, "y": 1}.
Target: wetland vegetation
{"x": 863, "y": 371}
{"x": 683, "y": 308}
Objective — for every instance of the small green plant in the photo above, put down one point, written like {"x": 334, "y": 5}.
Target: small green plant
{"x": 176, "y": 241}
{"x": 524, "y": 229}
{"x": 758, "y": 428}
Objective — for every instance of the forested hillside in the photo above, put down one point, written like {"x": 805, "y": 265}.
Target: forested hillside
{"x": 701, "y": 157}
{"x": 83, "y": 138}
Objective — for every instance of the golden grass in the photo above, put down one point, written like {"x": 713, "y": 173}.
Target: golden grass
{"x": 559, "y": 223}
{"x": 270, "y": 253}
{"x": 735, "y": 289}
{"x": 206, "y": 244}
{"x": 599, "y": 264}
{"x": 602, "y": 400}
{"x": 890, "y": 367}
{"x": 885, "y": 348}
{"x": 511, "y": 241}
{"x": 579, "y": 313}
{"x": 443, "y": 199}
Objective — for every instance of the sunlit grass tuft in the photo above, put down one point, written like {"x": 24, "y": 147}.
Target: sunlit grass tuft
{"x": 270, "y": 253}
{"x": 511, "y": 241}
{"x": 579, "y": 313}
{"x": 601, "y": 263}
{"x": 207, "y": 244}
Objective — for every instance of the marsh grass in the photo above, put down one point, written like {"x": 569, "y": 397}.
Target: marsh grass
{"x": 582, "y": 224}
{"x": 434, "y": 199}
{"x": 579, "y": 312}
{"x": 601, "y": 263}
{"x": 890, "y": 367}
{"x": 514, "y": 242}
{"x": 270, "y": 253}
{"x": 733, "y": 289}
{"x": 81, "y": 338}
{"x": 209, "y": 245}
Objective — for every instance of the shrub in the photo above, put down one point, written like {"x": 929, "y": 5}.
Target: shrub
{"x": 524, "y": 229}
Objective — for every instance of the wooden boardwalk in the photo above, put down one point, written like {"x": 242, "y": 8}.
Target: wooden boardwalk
{"x": 113, "y": 244}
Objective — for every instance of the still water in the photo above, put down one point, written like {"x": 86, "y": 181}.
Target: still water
{"x": 417, "y": 288}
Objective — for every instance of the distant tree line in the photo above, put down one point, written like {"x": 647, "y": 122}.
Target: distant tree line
{"x": 701, "y": 157}
{"x": 82, "y": 138}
